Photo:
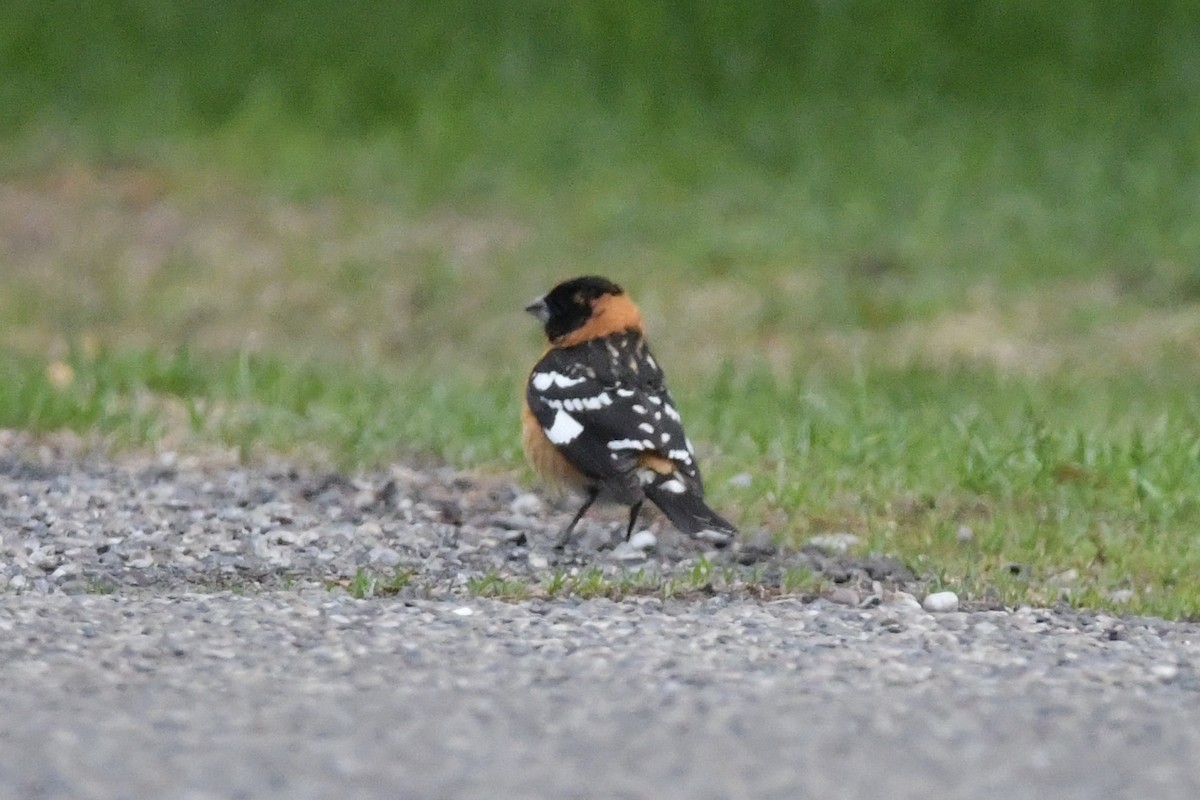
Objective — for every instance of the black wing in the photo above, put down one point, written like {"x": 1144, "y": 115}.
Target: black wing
{"x": 604, "y": 405}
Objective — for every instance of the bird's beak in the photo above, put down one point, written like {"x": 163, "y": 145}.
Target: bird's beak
{"x": 539, "y": 309}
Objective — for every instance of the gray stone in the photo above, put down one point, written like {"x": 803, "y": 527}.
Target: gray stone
{"x": 940, "y": 602}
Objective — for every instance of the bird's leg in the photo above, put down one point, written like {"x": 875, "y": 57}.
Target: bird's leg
{"x": 565, "y": 536}
{"x": 633, "y": 515}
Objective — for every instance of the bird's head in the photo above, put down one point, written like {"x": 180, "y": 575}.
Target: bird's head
{"x": 584, "y": 308}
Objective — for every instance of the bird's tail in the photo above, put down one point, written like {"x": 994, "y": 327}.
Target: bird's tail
{"x": 688, "y": 512}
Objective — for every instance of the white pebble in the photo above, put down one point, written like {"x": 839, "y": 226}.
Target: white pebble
{"x": 625, "y": 551}
{"x": 1165, "y": 672}
{"x": 940, "y": 602}
{"x": 902, "y": 600}
{"x": 538, "y": 561}
{"x": 643, "y": 540}
{"x": 65, "y": 570}
{"x": 526, "y": 504}
{"x": 368, "y": 530}
{"x": 463, "y": 611}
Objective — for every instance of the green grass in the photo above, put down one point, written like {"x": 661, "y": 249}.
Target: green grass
{"x": 927, "y": 273}
{"x": 1068, "y": 492}
{"x": 366, "y": 583}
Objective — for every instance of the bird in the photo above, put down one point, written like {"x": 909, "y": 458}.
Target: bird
{"x": 598, "y": 417}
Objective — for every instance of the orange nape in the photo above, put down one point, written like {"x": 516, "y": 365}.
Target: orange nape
{"x": 611, "y": 313}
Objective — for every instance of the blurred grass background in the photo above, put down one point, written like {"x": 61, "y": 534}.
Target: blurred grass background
{"x": 920, "y": 270}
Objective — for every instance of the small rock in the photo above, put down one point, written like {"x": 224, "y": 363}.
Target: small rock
{"x": 643, "y": 540}
{"x": 284, "y": 536}
{"x": 625, "y": 551}
{"x": 538, "y": 561}
{"x": 142, "y": 560}
{"x": 940, "y": 602}
{"x": 903, "y": 600}
{"x": 45, "y": 558}
{"x": 965, "y": 534}
{"x": 65, "y": 570}
{"x": 17, "y": 582}
{"x": 953, "y": 620}
{"x": 368, "y": 530}
{"x": 834, "y": 543}
{"x": 1165, "y": 672}
{"x": 844, "y": 596}
{"x": 384, "y": 556}
{"x": 463, "y": 611}
{"x": 1121, "y": 596}
{"x": 525, "y": 504}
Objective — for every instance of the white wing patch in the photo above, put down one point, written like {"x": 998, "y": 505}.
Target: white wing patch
{"x": 680, "y": 455}
{"x": 544, "y": 380}
{"x": 671, "y": 412}
{"x": 630, "y": 444}
{"x": 564, "y": 429}
{"x": 675, "y": 486}
{"x": 580, "y": 403}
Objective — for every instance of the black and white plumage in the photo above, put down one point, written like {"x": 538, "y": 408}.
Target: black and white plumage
{"x": 599, "y": 400}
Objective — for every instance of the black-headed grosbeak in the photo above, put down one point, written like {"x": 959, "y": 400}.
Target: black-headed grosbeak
{"x": 598, "y": 417}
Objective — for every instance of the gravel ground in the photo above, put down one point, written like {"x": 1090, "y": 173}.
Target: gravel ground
{"x": 174, "y": 627}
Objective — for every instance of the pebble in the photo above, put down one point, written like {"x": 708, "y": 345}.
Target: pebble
{"x": 1165, "y": 672}
{"x": 643, "y": 540}
{"x": 626, "y": 552}
{"x": 526, "y": 504}
{"x": 940, "y": 602}
{"x": 844, "y": 596}
{"x": 385, "y": 556}
{"x": 903, "y": 600}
